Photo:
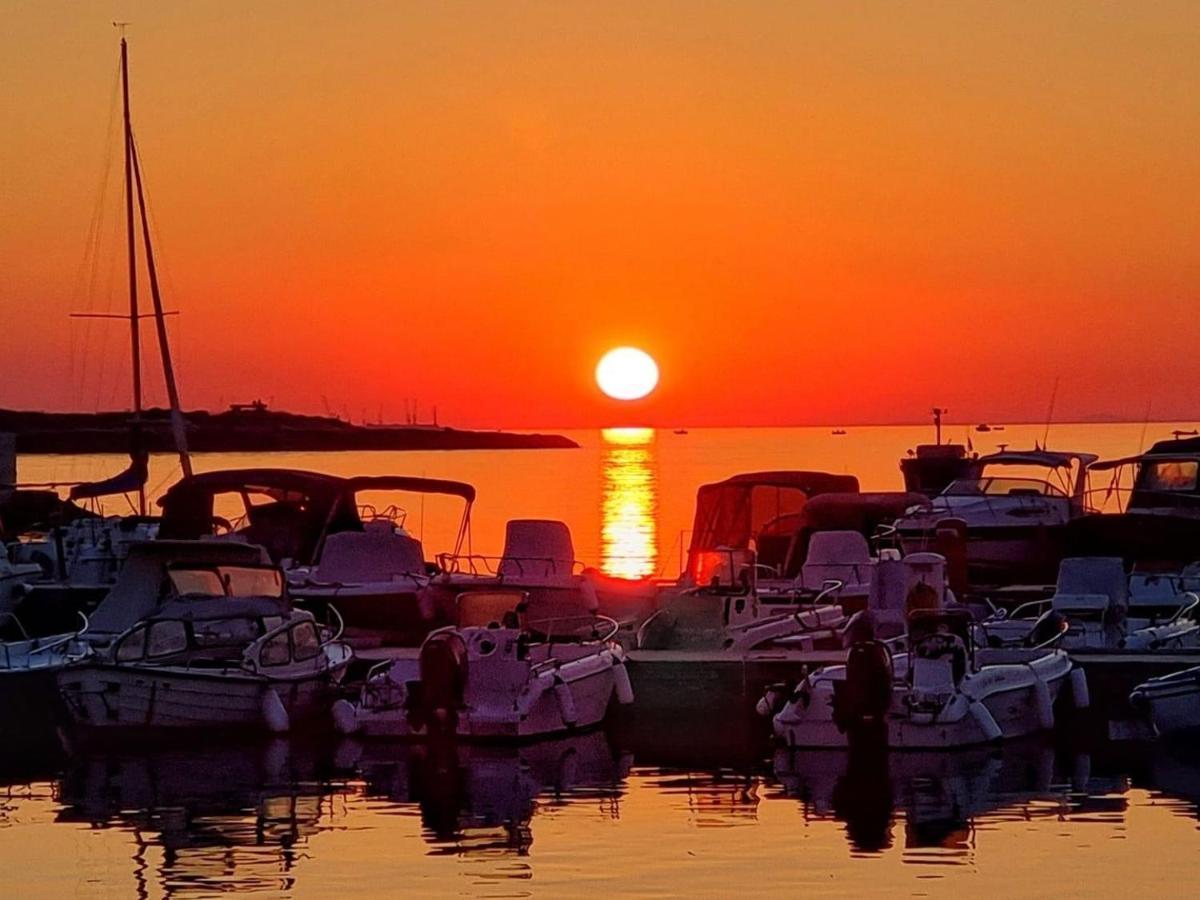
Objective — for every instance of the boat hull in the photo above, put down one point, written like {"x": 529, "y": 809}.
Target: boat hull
{"x": 1172, "y": 702}
{"x": 1013, "y": 699}
{"x": 573, "y": 696}
{"x": 111, "y": 697}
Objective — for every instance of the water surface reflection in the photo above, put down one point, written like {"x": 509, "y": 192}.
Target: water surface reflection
{"x": 589, "y": 813}
{"x": 629, "y": 504}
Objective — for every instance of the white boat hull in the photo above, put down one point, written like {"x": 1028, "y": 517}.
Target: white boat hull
{"x": 567, "y": 697}
{"x": 1000, "y": 702}
{"x": 1172, "y": 702}
{"x": 106, "y": 696}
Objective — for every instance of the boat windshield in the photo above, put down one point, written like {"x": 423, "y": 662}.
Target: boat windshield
{"x": 227, "y": 581}
{"x": 1168, "y": 475}
{"x": 1003, "y": 487}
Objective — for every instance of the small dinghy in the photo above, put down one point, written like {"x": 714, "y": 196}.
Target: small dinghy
{"x": 1171, "y": 702}
{"x": 515, "y": 666}
{"x": 941, "y": 694}
{"x": 227, "y": 650}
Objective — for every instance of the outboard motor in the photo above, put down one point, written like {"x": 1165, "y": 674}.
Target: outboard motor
{"x": 443, "y": 663}
{"x": 861, "y": 702}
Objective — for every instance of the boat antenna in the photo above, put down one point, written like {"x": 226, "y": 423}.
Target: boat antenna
{"x": 937, "y": 423}
{"x": 1050, "y": 411}
{"x": 1145, "y": 425}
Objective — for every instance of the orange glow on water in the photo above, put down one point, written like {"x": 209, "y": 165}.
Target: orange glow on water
{"x": 629, "y": 529}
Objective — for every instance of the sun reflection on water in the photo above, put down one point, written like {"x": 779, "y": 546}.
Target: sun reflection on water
{"x": 629, "y": 530}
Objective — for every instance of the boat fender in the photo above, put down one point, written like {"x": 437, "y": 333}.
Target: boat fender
{"x": 1079, "y": 688}
{"x": 986, "y": 722}
{"x": 621, "y": 682}
{"x": 566, "y": 703}
{"x": 275, "y": 715}
{"x": 1043, "y": 706}
{"x": 345, "y": 720}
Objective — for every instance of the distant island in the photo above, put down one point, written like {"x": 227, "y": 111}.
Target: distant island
{"x": 248, "y": 428}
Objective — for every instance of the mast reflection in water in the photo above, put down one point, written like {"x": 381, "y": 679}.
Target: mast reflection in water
{"x": 629, "y": 530}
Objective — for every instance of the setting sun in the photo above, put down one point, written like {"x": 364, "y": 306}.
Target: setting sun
{"x": 626, "y": 373}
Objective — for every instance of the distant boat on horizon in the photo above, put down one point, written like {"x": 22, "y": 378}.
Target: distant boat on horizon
{"x": 839, "y": 431}
{"x": 680, "y": 431}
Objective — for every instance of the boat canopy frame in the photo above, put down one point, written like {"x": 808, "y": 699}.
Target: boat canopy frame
{"x": 323, "y": 504}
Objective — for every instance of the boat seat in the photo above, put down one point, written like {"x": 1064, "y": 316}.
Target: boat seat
{"x": 537, "y": 551}
{"x": 1091, "y": 584}
{"x": 838, "y": 556}
{"x": 377, "y": 553}
{"x": 560, "y": 612}
{"x": 932, "y": 676}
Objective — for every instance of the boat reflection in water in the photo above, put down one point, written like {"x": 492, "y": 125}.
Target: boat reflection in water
{"x": 204, "y": 819}
{"x": 480, "y": 799}
{"x": 939, "y": 796}
{"x": 629, "y": 511}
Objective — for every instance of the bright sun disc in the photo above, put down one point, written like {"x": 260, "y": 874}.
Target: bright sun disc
{"x": 627, "y": 373}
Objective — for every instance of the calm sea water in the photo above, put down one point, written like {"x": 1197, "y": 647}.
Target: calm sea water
{"x": 702, "y": 808}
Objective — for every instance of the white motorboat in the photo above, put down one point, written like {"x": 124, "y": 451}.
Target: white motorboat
{"x": 1171, "y": 702}
{"x": 515, "y": 666}
{"x": 538, "y": 559}
{"x": 224, "y": 650}
{"x": 942, "y": 693}
{"x": 1098, "y": 606}
{"x": 742, "y": 618}
{"x": 1016, "y": 505}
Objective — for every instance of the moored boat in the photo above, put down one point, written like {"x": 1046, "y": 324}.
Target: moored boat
{"x": 513, "y": 667}
{"x": 1171, "y": 702}
{"x": 226, "y": 650}
{"x": 940, "y": 694}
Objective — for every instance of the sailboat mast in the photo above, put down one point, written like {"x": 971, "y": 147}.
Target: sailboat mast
{"x": 178, "y": 427}
{"x": 134, "y": 316}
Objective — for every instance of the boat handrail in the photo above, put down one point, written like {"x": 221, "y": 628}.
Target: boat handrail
{"x": 1063, "y": 627}
{"x": 641, "y": 632}
{"x": 1185, "y": 610}
{"x": 829, "y": 587}
{"x": 341, "y": 624}
{"x": 595, "y": 617}
{"x": 11, "y": 615}
{"x": 449, "y": 563}
{"x": 65, "y": 639}
{"x": 1000, "y": 614}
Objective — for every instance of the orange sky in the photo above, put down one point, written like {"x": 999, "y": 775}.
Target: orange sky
{"x": 807, "y": 213}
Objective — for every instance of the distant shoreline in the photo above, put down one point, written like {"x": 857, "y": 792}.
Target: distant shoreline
{"x": 254, "y": 430}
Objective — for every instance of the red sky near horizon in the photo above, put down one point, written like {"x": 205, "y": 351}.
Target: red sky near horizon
{"x": 832, "y": 213}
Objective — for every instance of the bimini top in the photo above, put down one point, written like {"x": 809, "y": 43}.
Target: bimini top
{"x": 1051, "y": 459}
{"x": 732, "y": 512}
{"x": 143, "y": 583}
{"x": 288, "y": 511}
